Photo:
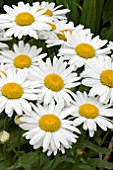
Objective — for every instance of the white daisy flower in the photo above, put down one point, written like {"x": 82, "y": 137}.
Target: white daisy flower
{"x": 90, "y": 112}
{"x": 15, "y": 91}
{"x": 56, "y": 36}
{"x": 23, "y": 20}
{"x": 54, "y": 80}
{"x": 48, "y": 127}
{"x": 51, "y": 10}
{"x": 81, "y": 46}
{"x": 22, "y": 56}
{"x": 98, "y": 75}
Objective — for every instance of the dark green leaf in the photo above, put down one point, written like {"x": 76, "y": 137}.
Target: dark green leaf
{"x": 74, "y": 11}
{"x": 96, "y": 148}
{"x": 95, "y": 162}
{"x": 88, "y": 16}
{"x": 61, "y": 159}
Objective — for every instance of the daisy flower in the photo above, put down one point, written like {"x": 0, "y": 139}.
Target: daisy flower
{"x": 90, "y": 112}
{"x": 15, "y": 91}
{"x": 81, "y": 46}
{"x": 50, "y": 10}
{"x": 54, "y": 80}
{"x": 56, "y": 36}
{"x": 23, "y": 20}
{"x": 47, "y": 127}
{"x": 22, "y": 56}
{"x": 98, "y": 75}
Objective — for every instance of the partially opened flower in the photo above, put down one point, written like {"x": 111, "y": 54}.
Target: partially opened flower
{"x": 90, "y": 112}
{"x": 56, "y": 36}
{"x": 82, "y": 46}
{"x": 48, "y": 127}
{"x": 51, "y": 10}
{"x": 22, "y": 56}
{"x": 23, "y": 20}
{"x": 15, "y": 91}
{"x": 98, "y": 75}
{"x": 54, "y": 80}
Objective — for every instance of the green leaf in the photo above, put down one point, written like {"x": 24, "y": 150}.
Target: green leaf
{"x": 73, "y": 15}
{"x": 58, "y": 160}
{"x": 88, "y": 16}
{"x": 48, "y": 165}
{"x": 94, "y": 147}
{"x": 99, "y": 10}
{"x": 95, "y": 162}
{"x": 28, "y": 161}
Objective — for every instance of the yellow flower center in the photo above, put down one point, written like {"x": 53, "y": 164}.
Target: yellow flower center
{"x": 85, "y": 50}
{"x": 47, "y": 12}
{"x": 49, "y": 123}
{"x": 53, "y": 26}
{"x": 24, "y": 19}
{"x": 54, "y": 82}
{"x": 62, "y": 35}
{"x": 12, "y": 90}
{"x": 106, "y": 78}
{"x": 88, "y": 111}
{"x": 3, "y": 73}
{"x": 22, "y": 61}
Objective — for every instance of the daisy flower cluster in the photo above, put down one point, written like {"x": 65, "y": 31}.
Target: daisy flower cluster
{"x": 43, "y": 91}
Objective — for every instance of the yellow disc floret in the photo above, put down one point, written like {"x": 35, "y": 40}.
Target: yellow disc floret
{"x": 22, "y": 61}
{"x": 106, "y": 78}
{"x": 85, "y": 50}
{"x": 89, "y": 111}
{"x": 49, "y": 123}
{"x": 12, "y": 90}
{"x": 54, "y": 82}
{"x": 53, "y": 26}
{"x": 62, "y": 36}
{"x": 47, "y": 12}
{"x": 24, "y": 19}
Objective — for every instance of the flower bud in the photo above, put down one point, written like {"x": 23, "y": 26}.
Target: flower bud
{"x": 4, "y": 137}
{"x": 79, "y": 151}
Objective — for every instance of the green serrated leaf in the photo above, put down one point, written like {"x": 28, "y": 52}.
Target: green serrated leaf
{"x": 95, "y": 162}
{"x": 94, "y": 147}
{"x": 61, "y": 159}
{"x": 28, "y": 161}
